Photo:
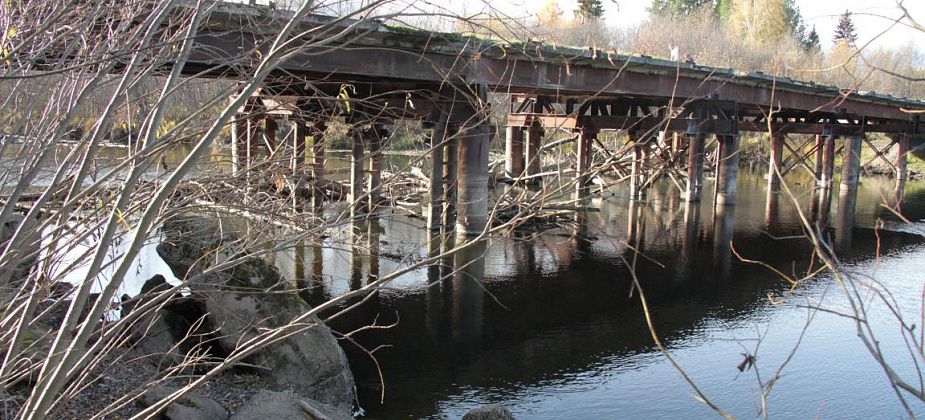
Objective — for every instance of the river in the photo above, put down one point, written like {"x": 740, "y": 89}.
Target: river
{"x": 547, "y": 324}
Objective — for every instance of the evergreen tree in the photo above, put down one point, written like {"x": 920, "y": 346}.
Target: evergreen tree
{"x": 844, "y": 31}
{"x": 810, "y": 42}
{"x": 721, "y": 8}
{"x": 589, "y": 10}
{"x": 677, "y": 8}
{"x": 681, "y": 8}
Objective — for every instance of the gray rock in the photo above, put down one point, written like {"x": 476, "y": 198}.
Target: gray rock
{"x": 191, "y": 406}
{"x": 268, "y": 405}
{"x": 251, "y": 297}
{"x": 25, "y": 251}
{"x": 174, "y": 330}
{"x": 489, "y": 412}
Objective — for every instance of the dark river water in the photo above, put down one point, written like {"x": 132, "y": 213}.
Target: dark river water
{"x": 546, "y": 322}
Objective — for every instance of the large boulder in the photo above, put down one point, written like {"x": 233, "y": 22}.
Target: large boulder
{"x": 251, "y": 297}
{"x": 191, "y": 406}
{"x": 25, "y": 253}
{"x": 173, "y": 329}
{"x": 489, "y": 412}
{"x": 283, "y": 405}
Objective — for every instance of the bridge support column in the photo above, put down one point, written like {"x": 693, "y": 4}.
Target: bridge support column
{"x": 848, "y": 191}
{"x": 356, "y": 172}
{"x": 828, "y": 162}
{"x": 694, "y": 168}
{"x": 583, "y": 179}
{"x": 374, "y": 183}
{"x": 435, "y": 205}
{"x": 451, "y": 163}
{"x": 675, "y": 144}
{"x": 472, "y": 180}
{"x": 534, "y": 155}
{"x": 727, "y": 170}
{"x": 243, "y": 143}
{"x": 820, "y": 147}
{"x": 318, "y": 162}
{"x": 902, "y": 152}
{"x": 637, "y": 177}
{"x": 270, "y": 127}
{"x": 820, "y": 207}
{"x": 774, "y": 165}
{"x": 297, "y": 159}
{"x": 844, "y": 218}
{"x": 514, "y": 152}
{"x": 851, "y": 164}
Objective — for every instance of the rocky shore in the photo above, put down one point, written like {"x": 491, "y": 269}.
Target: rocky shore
{"x": 175, "y": 337}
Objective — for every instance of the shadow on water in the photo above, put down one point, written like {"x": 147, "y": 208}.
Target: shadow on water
{"x": 522, "y": 319}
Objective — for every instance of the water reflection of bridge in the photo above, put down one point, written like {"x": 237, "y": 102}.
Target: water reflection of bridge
{"x": 484, "y": 311}
{"x": 487, "y": 310}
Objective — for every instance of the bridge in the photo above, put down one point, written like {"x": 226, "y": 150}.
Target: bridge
{"x": 369, "y": 74}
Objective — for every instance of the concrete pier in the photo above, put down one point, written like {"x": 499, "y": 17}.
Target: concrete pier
{"x": 694, "y": 186}
{"x": 851, "y": 164}
{"x": 727, "y": 170}
{"x": 676, "y": 140}
{"x": 374, "y": 182}
{"x": 355, "y": 193}
{"x": 244, "y": 143}
{"x": 902, "y": 153}
{"x": 534, "y": 158}
{"x": 435, "y": 203}
{"x": 270, "y": 127}
{"x": 820, "y": 148}
{"x": 472, "y": 180}
{"x": 776, "y": 153}
{"x": 828, "y": 162}
{"x": 514, "y": 164}
{"x": 637, "y": 170}
{"x": 450, "y": 184}
{"x": 583, "y": 180}
{"x": 298, "y": 142}
{"x": 318, "y": 162}
{"x": 848, "y": 192}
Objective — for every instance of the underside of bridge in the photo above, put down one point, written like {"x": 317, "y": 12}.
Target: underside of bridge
{"x": 677, "y": 118}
